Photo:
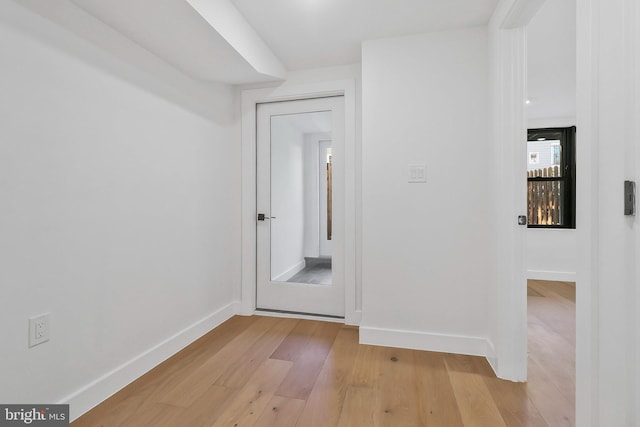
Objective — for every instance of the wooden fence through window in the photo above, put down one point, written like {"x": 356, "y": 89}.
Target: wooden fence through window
{"x": 545, "y": 197}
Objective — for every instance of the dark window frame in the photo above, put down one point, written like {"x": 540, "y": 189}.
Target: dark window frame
{"x": 567, "y": 138}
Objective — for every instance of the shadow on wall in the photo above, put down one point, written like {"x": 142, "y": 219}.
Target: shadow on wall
{"x": 83, "y": 33}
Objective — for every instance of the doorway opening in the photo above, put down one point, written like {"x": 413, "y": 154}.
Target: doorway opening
{"x": 551, "y": 237}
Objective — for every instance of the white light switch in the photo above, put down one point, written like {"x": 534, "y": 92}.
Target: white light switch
{"x": 418, "y": 173}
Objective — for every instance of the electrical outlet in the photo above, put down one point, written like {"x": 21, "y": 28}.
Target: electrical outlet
{"x": 418, "y": 173}
{"x": 38, "y": 329}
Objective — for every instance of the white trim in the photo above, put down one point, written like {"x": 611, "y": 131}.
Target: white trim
{"x": 491, "y": 357}
{"x": 355, "y": 319}
{"x": 556, "y": 276}
{"x": 286, "y": 92}
{"x": 417, "y": 340}
{"x": 587, "y": 204}
{"x": 105, "y": 386}
{"x": 508, "y": 328}
{"x": 636, "y": 56}
{"x": 297, "y": 268}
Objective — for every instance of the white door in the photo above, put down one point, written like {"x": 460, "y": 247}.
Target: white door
{"x": 292, "y": 274}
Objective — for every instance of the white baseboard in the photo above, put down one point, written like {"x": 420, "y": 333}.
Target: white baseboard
{"x": 100, "y": 389}
{"x": 416, "y": 340}
{"x": 492, "y": 358}
{"x": 556, "y": 276}
{"x": 245, "y": 308}
{"x": 354, "y": 318}
{"x": 290, "y": 272}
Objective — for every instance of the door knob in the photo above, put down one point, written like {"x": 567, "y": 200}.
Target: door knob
{"x": 262, "y": 217}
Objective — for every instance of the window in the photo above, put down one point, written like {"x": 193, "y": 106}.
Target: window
{"x": 551, "y": 172}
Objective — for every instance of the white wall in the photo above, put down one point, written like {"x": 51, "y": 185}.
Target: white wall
{"x": 120, "y": 217}
{"x": 552, "y": 254}
{"x": 608, "y": 287}
{"x": 551, "y": 61}
{"x": 287, "y": 199}
{"x": 426, "y": 267}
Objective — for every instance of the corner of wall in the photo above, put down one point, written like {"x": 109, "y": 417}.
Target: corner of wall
{"x": 110, "y": 383}
{"x": 491, "y": 356}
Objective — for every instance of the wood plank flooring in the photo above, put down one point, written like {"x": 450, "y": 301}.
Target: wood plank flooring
{"x": 551, "y": 317}
{"x": 263, "y": 371}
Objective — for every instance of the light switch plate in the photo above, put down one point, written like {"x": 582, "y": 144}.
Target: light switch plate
{"x": 418, "y": 173}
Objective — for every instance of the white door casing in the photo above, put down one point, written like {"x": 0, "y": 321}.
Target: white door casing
{"x": 245, "y": 293}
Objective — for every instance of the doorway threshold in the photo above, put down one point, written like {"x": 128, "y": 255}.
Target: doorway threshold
{"x": 298, "y": 315}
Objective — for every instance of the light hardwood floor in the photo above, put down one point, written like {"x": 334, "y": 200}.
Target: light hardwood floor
{"x": 551, "y": 315}
{"x": 262, "y": 371}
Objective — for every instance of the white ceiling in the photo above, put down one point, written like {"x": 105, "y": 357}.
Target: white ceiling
{"x": 320, "y": 33}
{"x": 245, "y": 41}
{"x": 174, "y": 31}
{"x": 248, "y": 41}
{"x": 551, "y": 58}
{"x": 157, "y": 25}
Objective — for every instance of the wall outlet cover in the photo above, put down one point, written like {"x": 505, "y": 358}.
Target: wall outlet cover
{"x": 418, "y": 173}
{"x": 38, "y": 329}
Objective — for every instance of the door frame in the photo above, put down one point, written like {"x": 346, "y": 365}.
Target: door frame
{"x": 509, "y": 80}
{"x": 250, "y": 98}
